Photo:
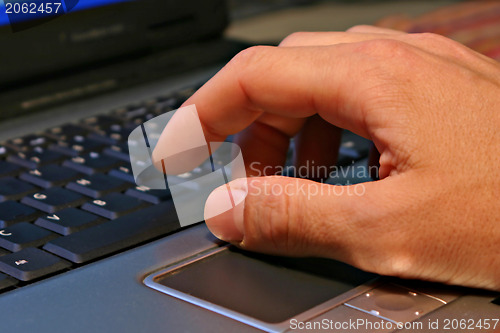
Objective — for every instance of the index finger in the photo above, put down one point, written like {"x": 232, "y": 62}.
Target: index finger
{"x": 295, "y": 82}
{"x": 290, "y": 82}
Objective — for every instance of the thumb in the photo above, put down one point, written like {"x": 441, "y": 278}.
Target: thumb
{"x": 298, "y": 217}
{"x": 401, "y": 226}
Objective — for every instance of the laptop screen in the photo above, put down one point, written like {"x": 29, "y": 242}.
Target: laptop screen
{"x": 50, "y": 56}
{"x": 12, "y": 8}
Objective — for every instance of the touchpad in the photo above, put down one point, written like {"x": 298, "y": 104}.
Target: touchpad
{"x": 267, "y": 288}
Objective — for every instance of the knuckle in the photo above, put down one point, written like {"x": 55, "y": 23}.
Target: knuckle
{"x": 431, "y": 37}
{"x": 396, "y": 265}
{"x": 433, "y": 40}
{"x": 294, "y": 38}
{"x": 387, "y": 257}
{"x": 382, "y": 242}
{"x": 248, "y": 63}
{"x": 249, "y": 56}
{"x": 359, "y": 27}
{"x": 384, "y": 48}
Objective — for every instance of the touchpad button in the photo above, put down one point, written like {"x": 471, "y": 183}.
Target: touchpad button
{"x": 395, "y": 303}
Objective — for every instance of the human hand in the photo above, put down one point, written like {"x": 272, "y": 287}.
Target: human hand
{"x": 430, "y": 106}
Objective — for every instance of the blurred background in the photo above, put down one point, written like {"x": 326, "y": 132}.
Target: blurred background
{"x": 272, "y": 20}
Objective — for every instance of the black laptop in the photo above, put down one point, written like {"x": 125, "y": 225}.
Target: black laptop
{"x": 84, "y": 248}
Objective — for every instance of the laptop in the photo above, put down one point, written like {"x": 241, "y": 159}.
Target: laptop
{"x": 84, "y": 248}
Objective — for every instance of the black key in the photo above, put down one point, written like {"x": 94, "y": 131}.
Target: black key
{"x": 6, "y": 282}
{"x": 31, "y": 263}
{"x": 13, "y": 189}
{"x": 97, "y": 185}
{"x": 109, "y": 237}
{"x": 123, "y": 172}
{"x": 28, "y": 142}
{"x": 68, "y": 221}
{"x": 107, "y": 137}
{"x": 183, "y": 95}
{"x": 8, "y": 169}
{"x": 149, "y": 195}
{"x": 139, "y": 120}
{"x": 114, "y": 205}
{"x": 100, "y": 122}
{"x": 53, "y": 199}
{"x": 67, "y": 131}
{"x": 50, "y": 175}
{"x": 128, "y": 113}
{"x": 12, "y": 212}
{"x": 163, "y": 105}
{"x": 4, "y": 151}
{"x": 170, "y": 102}
{"x": 23, "y": 235}
{"x": 76, "y": 146}
{"x": 107, "y": 128}
{"x": 92, "y": 163}
{"x": 35, "y": 158}
{"x": 352, "y": 148}
{"x": 119, "y": 151}
{"x": 113, "y": 135}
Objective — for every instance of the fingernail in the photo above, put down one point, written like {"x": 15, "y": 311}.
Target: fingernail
{"x": 223, "y": 219}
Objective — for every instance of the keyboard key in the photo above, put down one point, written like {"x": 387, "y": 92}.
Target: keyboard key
{"x": 119, "y": 151}
{"x": 149, "y": 195}
{"x": 172, "y": 101}
{"x": 28, "y": 142}
{"x": 13, "y": 189}
{"x": 35, "y": 158}
{"x": 128, "y": 113}
{"x": 114, "y": 205}
{"x": 109, "y": 237}
{"x": 123, "y": 172}
{"x": 76, "y": 146}
{"x": 114, "y": 135}
{"x": 109, "y": 129}
{"x": 67, "y": 131}
{"x": 92, "y": 163}
{"x": 163, "y": 105}
{"x": 13, "y": 212}
{"x": 68, "y": 221}
{"x": 6, "y": 282}
{"x": 8, "y": 169}
{"x": 137, "y": 121}
{"x": 97, "y": 185}
{"x": 53, "y": 199}
{"x": 352, "y": 148}
{"x": 100, "y": 122}
{"x": 31, "y": 263}
{"x": 4, "y": 151}
{"x": 183, "y": 95}
{"x": 50, "y": 175}
{"x": 107, "y": 137}
{"x": 23, "y": 235}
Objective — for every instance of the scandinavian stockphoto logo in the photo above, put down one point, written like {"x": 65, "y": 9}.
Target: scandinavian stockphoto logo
{"x": 25, "y": 14}
{"x": 189, "y": 167}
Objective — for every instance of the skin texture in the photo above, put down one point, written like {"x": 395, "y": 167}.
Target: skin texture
{"x": 429, "y": 104}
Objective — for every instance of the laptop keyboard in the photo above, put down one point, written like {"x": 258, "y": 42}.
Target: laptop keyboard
{"x": 68, "y": 196}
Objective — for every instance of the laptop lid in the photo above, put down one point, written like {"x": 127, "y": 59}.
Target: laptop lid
{"x": 92, "y": 34}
